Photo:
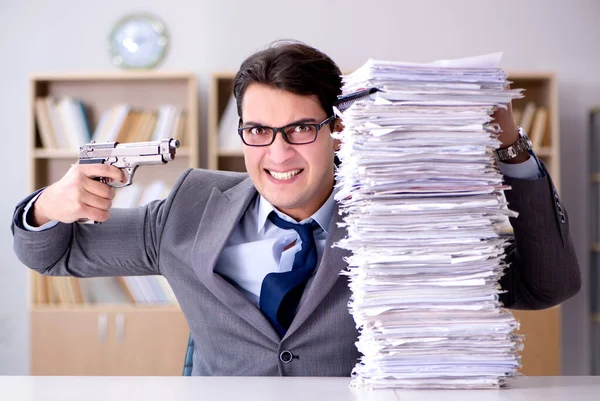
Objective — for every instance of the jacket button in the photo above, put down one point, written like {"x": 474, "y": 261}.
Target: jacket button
{"x": 563, "y": 218}
{"x": 286, "y": 357}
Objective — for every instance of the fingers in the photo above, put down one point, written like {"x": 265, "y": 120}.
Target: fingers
{"x": 99, "y": 189}
{"x": 83, "y": 178}
{"x": 95, "y": 198}
{"x": 95, "y": 201}
{"x": 339, "y": 125}
{"x": 91, "y": 206}
{"x": 102, "y": 170}
{"x": 78, "y": 195}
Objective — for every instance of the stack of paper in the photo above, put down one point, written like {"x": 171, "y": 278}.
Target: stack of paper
{"x": 423, "y": 203}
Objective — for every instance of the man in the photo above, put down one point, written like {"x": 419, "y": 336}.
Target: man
{"x": 227, "y": 244}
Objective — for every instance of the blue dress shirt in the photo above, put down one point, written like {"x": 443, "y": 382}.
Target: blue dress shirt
{"x": 257, "y": 247}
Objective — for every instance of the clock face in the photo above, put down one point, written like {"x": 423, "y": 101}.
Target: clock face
{"x": 138, "y": 41}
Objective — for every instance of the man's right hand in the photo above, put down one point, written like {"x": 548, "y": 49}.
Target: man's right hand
{"x": 77, "y": 195}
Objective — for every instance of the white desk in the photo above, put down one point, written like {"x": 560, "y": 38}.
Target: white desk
{"x": 30, "y": 388}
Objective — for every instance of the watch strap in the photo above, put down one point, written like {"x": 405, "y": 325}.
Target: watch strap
{"x": 523, "y": 144}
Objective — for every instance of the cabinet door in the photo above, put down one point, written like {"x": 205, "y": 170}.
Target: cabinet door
{"x": 150, "y": 342}
{"x": 69, "y": 342}
{"x": 541, "y": 356}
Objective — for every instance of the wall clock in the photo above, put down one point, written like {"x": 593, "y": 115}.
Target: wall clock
{"x": 138, "y": 41}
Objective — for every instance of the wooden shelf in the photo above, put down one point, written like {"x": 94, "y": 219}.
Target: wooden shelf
{"x": 143, "y": 91}
{"x": 150, "y": 75}
{"x": 231, "y": 153}
{"x": 120, "y": 307}
{"x": 595, "y": 247}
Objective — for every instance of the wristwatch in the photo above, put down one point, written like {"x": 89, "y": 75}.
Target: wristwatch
{"x": 523, "y": 144}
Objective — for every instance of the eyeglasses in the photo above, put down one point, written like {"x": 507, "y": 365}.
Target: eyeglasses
{"x": 294, "y": 134}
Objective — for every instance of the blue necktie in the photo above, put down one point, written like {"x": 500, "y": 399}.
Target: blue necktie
{"x": 281, "y": 292}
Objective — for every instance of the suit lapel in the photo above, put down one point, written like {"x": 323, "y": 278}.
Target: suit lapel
{"x": 222, "y": 213}
{"x": 328, "y": 272}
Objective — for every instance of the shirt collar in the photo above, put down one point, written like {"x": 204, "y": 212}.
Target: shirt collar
{"x": 322, "y": 216}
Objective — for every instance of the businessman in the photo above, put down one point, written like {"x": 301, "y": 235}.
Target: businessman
{"x": 250, "y": 256}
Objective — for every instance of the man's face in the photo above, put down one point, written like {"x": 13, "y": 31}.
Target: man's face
{"x": 296, "y": 179}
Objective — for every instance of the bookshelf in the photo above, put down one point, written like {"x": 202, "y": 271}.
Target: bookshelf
{"x": 105, "y": 326}
{"x": 542, "y": 329}
{"x": 220, "y": 97}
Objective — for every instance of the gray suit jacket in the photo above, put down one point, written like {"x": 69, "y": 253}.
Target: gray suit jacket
{"x": 182, "y": 237}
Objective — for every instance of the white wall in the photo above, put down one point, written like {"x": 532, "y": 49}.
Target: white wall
{"x": 71, "y": 35}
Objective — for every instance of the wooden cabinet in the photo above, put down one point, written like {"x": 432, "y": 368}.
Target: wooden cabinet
{"x": 542, "y": 331}
{"x": 123, "y": 341}
{"x": 69, "y": 342}
{"x": 149, "y": 342}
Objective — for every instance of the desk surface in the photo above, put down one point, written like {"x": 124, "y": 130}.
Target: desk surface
{"x": 64, "y": 388}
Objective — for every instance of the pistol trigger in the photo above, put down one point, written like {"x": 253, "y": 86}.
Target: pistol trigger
{"x": 129, "y": 173}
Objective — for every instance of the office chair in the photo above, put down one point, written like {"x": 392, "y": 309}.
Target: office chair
{"x": 188, "y": 363}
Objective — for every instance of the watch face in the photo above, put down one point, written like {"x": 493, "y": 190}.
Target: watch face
{"x": 138, "y": 41}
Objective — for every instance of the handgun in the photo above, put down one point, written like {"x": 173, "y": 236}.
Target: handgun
{"x": 128, "y": 156}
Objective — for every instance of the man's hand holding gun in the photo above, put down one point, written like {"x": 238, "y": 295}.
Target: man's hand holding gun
{"x": 86, "y": 191}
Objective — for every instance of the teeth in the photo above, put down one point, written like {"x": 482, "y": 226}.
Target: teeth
{"x": 284, "y": 176}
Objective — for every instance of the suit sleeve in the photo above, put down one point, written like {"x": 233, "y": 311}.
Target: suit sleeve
{"x": 127, "y": 244}
{"x": 543, "y": 270}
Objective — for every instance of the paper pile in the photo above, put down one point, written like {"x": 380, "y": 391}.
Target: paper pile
{"x": 423, "y": 203}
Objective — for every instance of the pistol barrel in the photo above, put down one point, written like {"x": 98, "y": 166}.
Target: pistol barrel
{"x": 108, "y": 151}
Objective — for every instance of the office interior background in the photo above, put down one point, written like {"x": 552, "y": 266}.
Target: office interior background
{"x": 561, "y": 36}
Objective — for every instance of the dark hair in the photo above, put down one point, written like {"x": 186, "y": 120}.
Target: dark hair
{"x": 294, "y": 67}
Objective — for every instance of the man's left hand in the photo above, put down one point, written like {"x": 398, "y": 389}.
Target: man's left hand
{"x": 509, "y": 134}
